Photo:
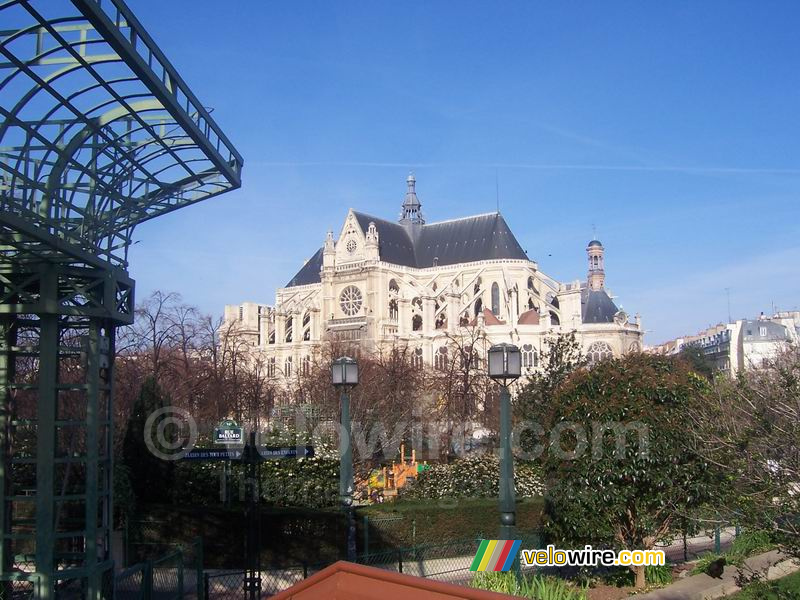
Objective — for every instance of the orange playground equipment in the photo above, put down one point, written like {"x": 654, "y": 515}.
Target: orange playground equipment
{"x": 389, "y": 480}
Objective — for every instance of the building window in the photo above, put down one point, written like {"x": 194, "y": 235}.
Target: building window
{"x": 598, "y": 351}
{"x": 529, "y": 357}
{"x": 393, "y": 310}
{"x": 495, "y": 299}
{"x": 441, "y": 321}
{"x": 554, "y": 320}
{"x": 306, "y": 365}
{"x": 307, "y": 335}
{"x": 469, "y": 358}
{"x": 287, "y": 366}
{"x": 241, "y": 312}
{"x": 416, "y": 358}
{"x": 289, "y": 323}
{"x": 762, "y": 331}
{"x": 271, "y": 367}
{"x": 271, "y": 338}
{"x": 393, "y": 287}
{"x": 440, "y": 361}
{"x": 478, "y": 306}
{"x": 416, "y": 323}
{"x": 350, "y": 300}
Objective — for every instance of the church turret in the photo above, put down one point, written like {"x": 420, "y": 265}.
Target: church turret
{"x": 328, "y": 251}
{"x": 372, "y": 242}
{"x": 412, "y": 207}
{"x": 597, "y": 274}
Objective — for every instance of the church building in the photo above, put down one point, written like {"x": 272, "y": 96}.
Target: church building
{"x": 378, "y": 283}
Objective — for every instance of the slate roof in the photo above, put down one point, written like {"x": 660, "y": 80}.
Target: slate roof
{"x": 310, "y": 271}
{"x": 482, "y": 237}
{"x": 597, "y": 306}
{"x": 775, "y": 332}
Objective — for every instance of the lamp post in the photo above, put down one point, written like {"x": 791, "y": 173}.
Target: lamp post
{"x": 505, "y": 366}
{"x": 344, "y": 376}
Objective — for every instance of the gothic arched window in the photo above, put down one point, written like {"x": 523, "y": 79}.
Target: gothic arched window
{"x": 306, "y": 365}
{"x": 287, "y": 366}
{"x": 554, "y": 320}
{"x": 393, "y": 310}
{"x": 440, "y": 361}
{"x": 289, "y": 323}
{"x": 529, "y": 357}
{"x": 393, "y": 287}
{"x": 416, "y": 358}
{"x": 495, "y": 299}
{"x": 598, "y": 351}
{"x": 271, "y": 367}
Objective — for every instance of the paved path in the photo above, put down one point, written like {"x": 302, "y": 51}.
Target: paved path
{"x": 772, "y": 565}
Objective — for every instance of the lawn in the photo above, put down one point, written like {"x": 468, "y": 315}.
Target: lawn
{"x": 779, "y": 589}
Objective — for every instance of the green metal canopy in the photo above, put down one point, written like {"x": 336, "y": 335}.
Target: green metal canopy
{"x": 98, "y": 133}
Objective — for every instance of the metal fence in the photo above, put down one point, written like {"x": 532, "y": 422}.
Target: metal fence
{"x": 177, "y": 575}
{"x": 448, "y": 562}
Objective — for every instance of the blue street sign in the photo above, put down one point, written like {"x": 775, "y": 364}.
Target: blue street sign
{"x": 211, "y": 454}
{"x": 273, "y": 452}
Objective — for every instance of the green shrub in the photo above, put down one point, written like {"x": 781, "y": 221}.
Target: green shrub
{"x": 536, "y": 587}
{"x": 473, "y": 477}
{"x": 656, "y": 575}
{"x": 747, "y": 544}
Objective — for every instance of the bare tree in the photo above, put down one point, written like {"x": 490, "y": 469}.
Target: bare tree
{"x": 463, "y": 387}
{"x": 748, "y": 426}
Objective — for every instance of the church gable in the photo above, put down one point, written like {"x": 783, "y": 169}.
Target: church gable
{"x": 352, "y": 241}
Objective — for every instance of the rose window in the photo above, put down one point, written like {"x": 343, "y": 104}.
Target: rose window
{"x": 350, "y": 300}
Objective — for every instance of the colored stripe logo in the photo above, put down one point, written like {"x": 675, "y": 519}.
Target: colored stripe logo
{"x": 495, "y": 555}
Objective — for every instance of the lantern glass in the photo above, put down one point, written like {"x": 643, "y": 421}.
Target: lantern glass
{"x": 513, "y": 362}
{"x": 337, "y": 373}
{"x": 351, "y": 373}
{"x": 496, "y": 366}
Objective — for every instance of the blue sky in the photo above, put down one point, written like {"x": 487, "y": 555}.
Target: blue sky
{"x": 671, "y": 127}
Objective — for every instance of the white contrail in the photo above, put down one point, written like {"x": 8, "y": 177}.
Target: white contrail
{"x": 532, "y": 166}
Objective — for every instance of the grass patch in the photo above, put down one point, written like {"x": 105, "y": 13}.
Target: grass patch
{"x": 537, "y": 587}
{"x": 785, "y": 588}
{"x": 745, "y": 545}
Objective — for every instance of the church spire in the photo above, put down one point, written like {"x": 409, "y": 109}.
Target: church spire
{"x": 412, "y": 207}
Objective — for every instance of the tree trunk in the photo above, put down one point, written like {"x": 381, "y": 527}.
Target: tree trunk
{"x": 640, "y": 578}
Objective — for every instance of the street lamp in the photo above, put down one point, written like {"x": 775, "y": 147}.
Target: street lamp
{"x": 505, "y": 366}
{"x": 344, "y": 375}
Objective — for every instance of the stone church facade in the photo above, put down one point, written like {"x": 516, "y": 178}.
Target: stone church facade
{"x": 379, "y": 283}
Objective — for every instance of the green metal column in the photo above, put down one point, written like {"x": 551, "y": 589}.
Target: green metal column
{"x": 91, "y": 482}
{"x": 346, "y": 476}
{"x": 7, "y": 342}
{"x": 45, "y": 451}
